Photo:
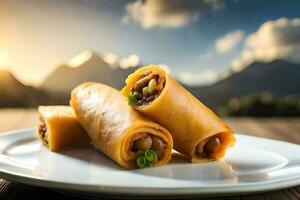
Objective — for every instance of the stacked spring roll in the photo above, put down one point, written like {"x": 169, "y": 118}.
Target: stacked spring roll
{"x": 126, "y": 136}
{"x": 197, "y": 132}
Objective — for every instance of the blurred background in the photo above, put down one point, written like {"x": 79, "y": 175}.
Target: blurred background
{"x": 240, "y": 57}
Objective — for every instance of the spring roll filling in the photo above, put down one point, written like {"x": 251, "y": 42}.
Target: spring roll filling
{"x": 145, "y": 144}
{"x": 209, "y": 146}
{"x": 146, "y": 89}
{"x": 43, "y": 131}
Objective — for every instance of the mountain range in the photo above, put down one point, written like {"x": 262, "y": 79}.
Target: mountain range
{"x": 15, "y": 94}
{"x": 278, "y": 77}
{"x": 65, "y": 78}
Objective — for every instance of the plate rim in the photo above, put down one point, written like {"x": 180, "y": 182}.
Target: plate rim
{"x": 149, "y": 191}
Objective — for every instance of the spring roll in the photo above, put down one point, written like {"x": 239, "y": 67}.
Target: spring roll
{"x": 197, "y": 132}
{"x": 126, "y": 136}
{"x": 59, "y": 128}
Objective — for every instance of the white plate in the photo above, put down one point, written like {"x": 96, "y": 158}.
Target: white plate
{"x": 253, "y": 165}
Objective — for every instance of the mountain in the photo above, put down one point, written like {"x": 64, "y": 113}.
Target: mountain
{"x": 278, "y": 77}
{"x": 8, "y": 82}
{"x": 15, "y": 94}
{"x": 65, "y": 78}
{"x": 12, "y": 91}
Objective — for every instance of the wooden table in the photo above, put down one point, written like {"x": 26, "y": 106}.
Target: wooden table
{"x": 286, "y": 129}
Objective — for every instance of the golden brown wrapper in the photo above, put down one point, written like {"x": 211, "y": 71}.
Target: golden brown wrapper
{"x": 188, "y": 119}
{"x": 113, "y": 125}
{"x": 63, "y": 130}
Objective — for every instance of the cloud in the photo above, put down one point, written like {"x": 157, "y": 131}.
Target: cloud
{"x": 79, "y": 59}
{"x": 131, "y": 61}
{"x": 110, "y": 58}
{"x": 206, "y": 77}
{"x": 114, "y": 61}
{"x": 229, "y": 41}
{"x": 279, "y": 39}
{"x": 167, "y": 13}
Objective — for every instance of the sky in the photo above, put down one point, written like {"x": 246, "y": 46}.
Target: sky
{"x": 199, "y": 41}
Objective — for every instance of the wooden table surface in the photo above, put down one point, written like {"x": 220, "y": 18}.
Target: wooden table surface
{"x": 285, "y": 129}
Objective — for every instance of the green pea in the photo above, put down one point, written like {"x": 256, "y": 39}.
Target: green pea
{"x": 151, "y": 86}
{"x": 142, "y": 162}
{"x": 145, "y": 91}
{"x": 151, "y": 156}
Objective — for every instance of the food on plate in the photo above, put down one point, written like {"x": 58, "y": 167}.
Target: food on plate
{"x": 197, "y": 131}
{"x": 126, "y": 136}
{"x": 59, "y": 128}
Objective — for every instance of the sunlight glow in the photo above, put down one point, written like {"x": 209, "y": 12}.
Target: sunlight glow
{"x": 79, "y": 59}
{"x": 3, "y": 60}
